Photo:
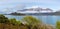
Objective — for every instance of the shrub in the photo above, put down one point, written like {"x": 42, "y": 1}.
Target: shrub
{"x": 3, "y": 19}
{"x": 58, "y": 24}
{"x": 31, "y": 21}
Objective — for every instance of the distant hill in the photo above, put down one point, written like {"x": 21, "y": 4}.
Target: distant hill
{"x": 15, "y": 13}
{"x": 57, "y": 13}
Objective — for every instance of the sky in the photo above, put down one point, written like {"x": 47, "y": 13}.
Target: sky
{"x": 13, "y": 5}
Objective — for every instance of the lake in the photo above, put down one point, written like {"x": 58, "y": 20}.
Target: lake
{"x": 47, "y": 19}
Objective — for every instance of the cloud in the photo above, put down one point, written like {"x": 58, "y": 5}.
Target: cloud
{"x": 32, "y": 7}
{"x": 4, "y": 10}
{"x": 30, "y": 3}
{"x": 20, "y": 6}
{"x": 36, "y": 6}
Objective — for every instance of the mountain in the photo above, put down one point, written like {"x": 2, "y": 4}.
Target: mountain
{"x": 31, "y": 11}
{"x": 57, "y": 12}
{"x": 36, "y": 10}
{"x": 15, "y": 13}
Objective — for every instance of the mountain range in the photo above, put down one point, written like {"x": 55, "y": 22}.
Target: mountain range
{"x": 38, "y": 10}
{"x": 35, "y": 10}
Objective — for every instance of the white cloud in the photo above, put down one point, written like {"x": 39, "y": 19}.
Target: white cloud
{"x": 13, "y": 3}
{"x": 32, "y": 7}
{"x": 37, "y": 7}
{"x": 4, "y": 10}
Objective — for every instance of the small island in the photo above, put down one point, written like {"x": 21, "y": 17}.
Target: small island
{"x": 15, "y": 13}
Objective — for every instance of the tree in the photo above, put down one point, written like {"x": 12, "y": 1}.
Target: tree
{"x": 14, "y": 21}
{"x": 3, "y": 19}
{"x": 31, "y": 21}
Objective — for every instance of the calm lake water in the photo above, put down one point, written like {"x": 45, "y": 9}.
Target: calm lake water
{"x": 46, "y": 19}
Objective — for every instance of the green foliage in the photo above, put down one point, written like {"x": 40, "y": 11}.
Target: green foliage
{"x": 58, "y": 24}
{"x": 14, "y": 21}
{"x": 31, "y": 21}
{"x": 18, "y": 23}
{"x": 3, "y": 19}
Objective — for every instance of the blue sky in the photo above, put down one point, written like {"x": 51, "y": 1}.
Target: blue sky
{"x": 19, "y": 4}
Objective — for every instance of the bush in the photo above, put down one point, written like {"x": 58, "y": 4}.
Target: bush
{"x": 14, "y": 21}
{"x": 58, "y": 24}
{"x": 3, "y": 19}
{"x": 31, "y": 21}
